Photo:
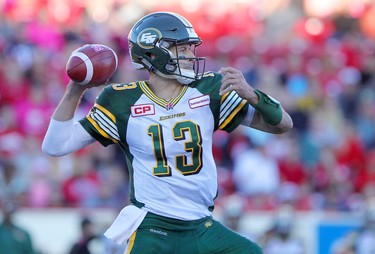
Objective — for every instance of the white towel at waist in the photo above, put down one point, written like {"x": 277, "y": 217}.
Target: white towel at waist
{"x": 127, "y": 221}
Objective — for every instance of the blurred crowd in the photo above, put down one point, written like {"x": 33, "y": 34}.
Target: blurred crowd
{"x": 321, "y": 70}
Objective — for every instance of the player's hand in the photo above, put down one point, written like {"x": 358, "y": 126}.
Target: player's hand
{"x": 233, "y": 80}
{"x": 84, "y": 87}
{"x": 75, "y": 88}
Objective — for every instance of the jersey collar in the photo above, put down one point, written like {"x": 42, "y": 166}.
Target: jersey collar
{"x": 162, "y": 102}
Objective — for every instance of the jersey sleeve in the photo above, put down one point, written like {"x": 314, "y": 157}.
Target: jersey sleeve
{"x": 233, "y": 110}
{"x": 101, "y": 122}
{"x": 229, "y": 109}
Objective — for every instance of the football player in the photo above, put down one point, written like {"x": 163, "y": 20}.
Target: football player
{"x": 165, "y": 128}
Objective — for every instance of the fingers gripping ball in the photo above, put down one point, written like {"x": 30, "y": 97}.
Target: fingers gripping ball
{"x": 92, "y": 63}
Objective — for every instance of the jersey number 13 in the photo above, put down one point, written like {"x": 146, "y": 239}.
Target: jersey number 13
{"x": 192, "y": 146}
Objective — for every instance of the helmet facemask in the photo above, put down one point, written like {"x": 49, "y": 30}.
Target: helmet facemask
{"x": 175, "y": 68}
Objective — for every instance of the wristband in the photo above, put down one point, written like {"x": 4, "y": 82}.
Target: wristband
{"x": 269, "y": 108}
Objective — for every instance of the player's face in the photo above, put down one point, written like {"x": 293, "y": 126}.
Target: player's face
{"x": 184, "y": 51}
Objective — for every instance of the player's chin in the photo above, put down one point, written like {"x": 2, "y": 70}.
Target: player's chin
{"x": 187, "y": 66}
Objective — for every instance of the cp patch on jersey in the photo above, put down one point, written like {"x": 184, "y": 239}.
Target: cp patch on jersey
{"x": 142, "y": 110}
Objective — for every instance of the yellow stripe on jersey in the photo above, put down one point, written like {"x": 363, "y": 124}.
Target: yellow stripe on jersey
{"x": 161, "y": 102}
{"x": 131, "y": 243}
{"x": 224, "y": 97}
{"x": 99, "y": 129}
{"x": 231, "y": 104}
{"x": 232, "y": 115}
{"x": 104, "y": 110}
{"x": 147, "y": 91}
{"x": 183, "y": 91}
{"x": 105, "y": 122}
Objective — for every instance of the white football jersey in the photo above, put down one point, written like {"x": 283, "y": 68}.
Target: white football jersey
{"x": 167, "y": 144}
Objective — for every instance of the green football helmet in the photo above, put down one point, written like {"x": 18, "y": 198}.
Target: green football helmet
{"x": 150, "y": 40}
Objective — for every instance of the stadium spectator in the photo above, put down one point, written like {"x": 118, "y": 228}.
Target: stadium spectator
{"x": 280, "y": 238}
{"x": 256, "y": 176}
{"x": 82, "y": 246}
{"x": 12, "y": 186}
{"x": 13, "y": 238}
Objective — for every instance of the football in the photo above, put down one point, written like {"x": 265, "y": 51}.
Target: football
{"x": 92, "y": 63}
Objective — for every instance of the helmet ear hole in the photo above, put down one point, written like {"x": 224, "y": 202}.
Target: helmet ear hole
{"x": 165, "y": 44}
{"x": 171, "y": 67}
{"x": 149, "y": 55}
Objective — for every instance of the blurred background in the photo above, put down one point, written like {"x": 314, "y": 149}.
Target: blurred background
{"x": 310, "y": 191}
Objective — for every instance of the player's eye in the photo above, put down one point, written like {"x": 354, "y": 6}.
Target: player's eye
{"x": 184, "y": 48}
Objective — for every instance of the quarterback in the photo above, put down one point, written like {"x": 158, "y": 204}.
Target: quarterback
{"x": 165, "y": 128}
